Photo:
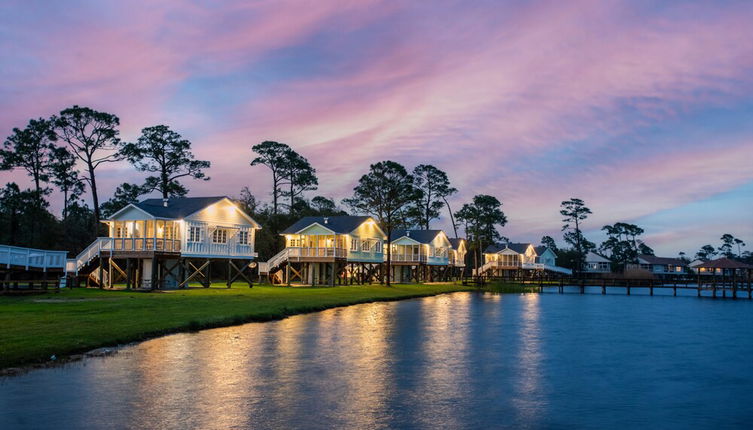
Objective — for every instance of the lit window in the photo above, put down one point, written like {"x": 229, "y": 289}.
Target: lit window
{"x": 194, "y": 234}
{"x": 219, "y": 236}
{"x": 355, "y": 244}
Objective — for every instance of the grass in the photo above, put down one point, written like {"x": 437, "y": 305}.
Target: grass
{"x": 511, "y": 288}
{"x": 34, "y": 327}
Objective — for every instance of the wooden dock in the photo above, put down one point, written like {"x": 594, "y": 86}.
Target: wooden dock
{"x": 702, "y": 286}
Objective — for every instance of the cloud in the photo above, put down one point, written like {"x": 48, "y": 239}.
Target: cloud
{"x": 532, "y": 102}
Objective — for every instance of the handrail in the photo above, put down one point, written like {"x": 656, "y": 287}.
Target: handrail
{"x": 32, "y": 257}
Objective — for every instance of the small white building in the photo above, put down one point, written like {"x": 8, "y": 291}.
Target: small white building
{"x": 660, "y": 265}
{"x": 328, "y": 250}
{"x": 420, "y": 255}
{"x": 499, "y": 259}
{"x": 595, "y": 263}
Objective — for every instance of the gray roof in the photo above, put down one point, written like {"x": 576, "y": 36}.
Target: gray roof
{"x": 420, "y": 236}
{"x": 541, "y": 249}
{"x": 340, "y": 224}
{"x": 177, "y": 207}
{"x": 520, "y": 248}
{"x": 593, "y": 257}
{"x": 456, "y": 242}
{"x": 652, "y": 259}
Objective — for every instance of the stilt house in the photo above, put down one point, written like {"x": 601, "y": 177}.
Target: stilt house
{"x": 329, "y": 250}
{"x": 167, "y": 243}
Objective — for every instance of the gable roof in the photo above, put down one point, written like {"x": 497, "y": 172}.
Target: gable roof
{"x": 652, "y": 259}
{"x": 456, "y": 242}
{"x": 593, "y": 257}
{"x": 177, "y": 207}
{"x": 340, "y": 224}
{"x": 725, "y": 263}
{"x": 520, "y": 248}
{"x": 540, "y": 250}
{"x": 420, "y": 236}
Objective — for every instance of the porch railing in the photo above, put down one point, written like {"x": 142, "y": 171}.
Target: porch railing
{"x": 399, "y": 258}
{"x": 317, "y": 252}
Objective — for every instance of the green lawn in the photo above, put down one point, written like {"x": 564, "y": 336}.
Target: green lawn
{"x": 34, "y": 327}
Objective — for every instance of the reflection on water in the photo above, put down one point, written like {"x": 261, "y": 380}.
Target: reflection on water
{"x": 527, "y": 400}
{"x": 464, "y": 360}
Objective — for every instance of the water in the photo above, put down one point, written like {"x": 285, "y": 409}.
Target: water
{"x": 465, "y": 360}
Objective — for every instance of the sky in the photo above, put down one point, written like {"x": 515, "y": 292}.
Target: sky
{"x": 643, "y": 109}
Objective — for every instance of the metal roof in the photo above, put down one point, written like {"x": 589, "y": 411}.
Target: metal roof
{"x": 340, "y": 224}
{"x": 420, "y": 236}
{"x": 177, "y": 207}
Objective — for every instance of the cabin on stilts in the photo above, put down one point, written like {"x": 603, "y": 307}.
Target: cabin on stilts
{"x": 169, "y": 243}
{"x": 457, "y": 257}
{"x": 329, "y": 250}
{"x": 420, "y": 256}
{"x": 513, "y": 260}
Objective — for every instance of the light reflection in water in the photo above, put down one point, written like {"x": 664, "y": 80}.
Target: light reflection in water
{"x": 444, "y": 370}
{"x": 528, "y": 398}
{"x": 458, "y": 361}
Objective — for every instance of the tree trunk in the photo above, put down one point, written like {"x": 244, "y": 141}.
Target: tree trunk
{"x": 292, "y": 197}
{"x": 95, "y": 198}
{"x": 452, "y": 218}
{"x": 165, "y": 183}
{"x": 389, "y": 254}
{"x": 274, "y": 193}
{"x": 65, "y": 203}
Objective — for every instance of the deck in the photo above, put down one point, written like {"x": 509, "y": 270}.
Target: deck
{"x": 15, "y": 257}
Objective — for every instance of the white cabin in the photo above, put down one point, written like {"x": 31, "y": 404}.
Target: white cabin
{"x": 165, "y": 235}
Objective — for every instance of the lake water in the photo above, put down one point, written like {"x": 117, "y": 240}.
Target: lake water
{"x": 465, "y": 360}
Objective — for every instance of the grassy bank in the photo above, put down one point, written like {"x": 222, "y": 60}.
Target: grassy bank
{"x": 35, "y": 327}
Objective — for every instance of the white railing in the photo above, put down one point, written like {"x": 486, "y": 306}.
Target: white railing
{"x": 275, "y": 261}
{"x": 92, "y": 251}
{"x": 230, "y": 249}
{"x": 295, "y": 252}
{"x": 143, "y": 244}
{"x": 401, "y": 258}
{"x": 32, "y": 258}
{"x": 481, "y": 270}
{"x": 108, "y": 245}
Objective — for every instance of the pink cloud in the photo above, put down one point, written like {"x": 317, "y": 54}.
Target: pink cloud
{"x": 485, "y": 92}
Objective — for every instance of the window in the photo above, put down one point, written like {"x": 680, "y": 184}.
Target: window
{"x": 365, "y": 246}
{"x": 355, "y": 244}
{"x": 243, "y": 238}
{"x": 378, "y": 246}
{"x": 219, "y": 236}
{"x": 194, "y": 234}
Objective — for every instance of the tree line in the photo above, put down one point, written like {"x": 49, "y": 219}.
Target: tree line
{"x": 623, "y": 244}
{"x": 64, "y": 152}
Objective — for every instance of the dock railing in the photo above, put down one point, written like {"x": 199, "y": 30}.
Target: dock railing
{"x": 31, "y": 258}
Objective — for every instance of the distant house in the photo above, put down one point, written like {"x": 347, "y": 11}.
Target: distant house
{"x": 458, "y": 252}
{"x": 420, "y": 255}
{"x": 660, "y": 265}
{"x": 169, "y": 242}
{"x": 502, "y": 259}
{"x": 595, "y": 263}
{"x": 545, "y": 255}
{"x": 325, "y": 250}
{"x": 725, "y": 267}
{"x": 696, "y": 264}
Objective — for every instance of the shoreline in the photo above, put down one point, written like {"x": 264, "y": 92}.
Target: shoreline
{"x": 187, "y": 324}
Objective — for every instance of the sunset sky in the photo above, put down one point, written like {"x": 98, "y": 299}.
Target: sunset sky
{"x": 643, "y": 109}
